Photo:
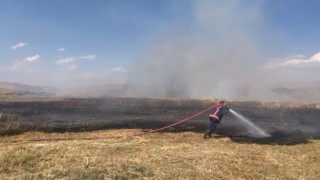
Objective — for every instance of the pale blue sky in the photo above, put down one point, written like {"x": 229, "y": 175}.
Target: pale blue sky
{"x": 101, "y": 36}
{"x": 115, "y": 31}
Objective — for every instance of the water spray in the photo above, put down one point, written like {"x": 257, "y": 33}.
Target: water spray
{"x": 258, "y": 132}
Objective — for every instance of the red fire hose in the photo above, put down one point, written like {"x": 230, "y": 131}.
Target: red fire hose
{"x": 180, "y": 121}
{"x": 139, "y": 134}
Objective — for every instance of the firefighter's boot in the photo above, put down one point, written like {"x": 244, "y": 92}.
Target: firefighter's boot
{"x": 206, "y": 135}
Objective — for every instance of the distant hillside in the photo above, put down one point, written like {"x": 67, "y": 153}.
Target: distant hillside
{"x": 7, "y": 88}
{"x": 117, "y": 90}
{"x": 4, "y": 91}
{"x": 303, "y": 92}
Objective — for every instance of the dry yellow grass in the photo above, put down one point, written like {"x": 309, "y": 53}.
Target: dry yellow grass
{"x": 154, "y": 156}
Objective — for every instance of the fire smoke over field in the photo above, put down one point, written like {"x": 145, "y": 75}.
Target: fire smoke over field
{"x": 223, "y": 57}
{"x": 214, "y": 60}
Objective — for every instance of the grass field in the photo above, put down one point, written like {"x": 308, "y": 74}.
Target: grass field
{"x": 79, "y": 140}
{"x": 166, "y": 155}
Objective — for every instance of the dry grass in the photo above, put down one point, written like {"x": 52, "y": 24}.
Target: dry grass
{"x": 281, "y": 105}
{"x": 154, "y": 156}
{"x": 10, "y": 124}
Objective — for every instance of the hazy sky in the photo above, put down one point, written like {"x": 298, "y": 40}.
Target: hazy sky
{"x": 63, "y": 42}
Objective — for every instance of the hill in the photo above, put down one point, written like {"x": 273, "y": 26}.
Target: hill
{"x": 8, "y": 88}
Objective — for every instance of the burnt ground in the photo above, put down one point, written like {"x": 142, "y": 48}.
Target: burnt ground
{"x": 287, "y": 125}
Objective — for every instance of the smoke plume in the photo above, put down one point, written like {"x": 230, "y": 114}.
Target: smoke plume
{"x": 223, "y": 57}
{"x": 215, "y": 59}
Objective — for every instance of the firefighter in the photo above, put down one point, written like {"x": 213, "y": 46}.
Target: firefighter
{"x": 215, "y": 118}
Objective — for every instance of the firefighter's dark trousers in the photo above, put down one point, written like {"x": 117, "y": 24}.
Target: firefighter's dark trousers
{"x": 213, "y": 124}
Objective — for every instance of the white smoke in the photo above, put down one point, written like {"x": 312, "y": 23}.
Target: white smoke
{"x": 212, "y": 60}
{"x": 223, "y": 57}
